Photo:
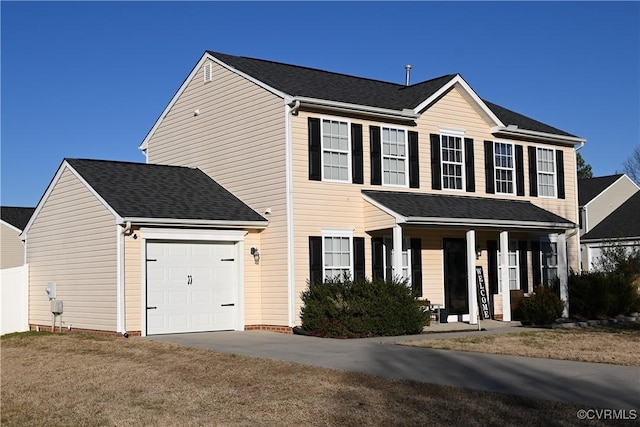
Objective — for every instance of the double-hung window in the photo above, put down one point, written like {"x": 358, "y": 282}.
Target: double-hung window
{"x": 452, "y": 162}
{"x": 546, "y": 168}
{"x": 513, "y": 267}
{"x": 549, "y": 262}
{"x": 406, "y": 257}
{"x": 395, "y": 163}
{"x": 336, "y": 165}
{"x": 336, "y": 252}
{"x": 504, "y": 168}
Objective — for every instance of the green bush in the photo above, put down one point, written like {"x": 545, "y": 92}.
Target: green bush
{"x": 342, "y": 308}
{"x": 602, "y": 294}
{"x": 543, "y": 307}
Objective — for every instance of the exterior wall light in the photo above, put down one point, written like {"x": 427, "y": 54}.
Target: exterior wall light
{"x": 256, "y": 254}
{"x": 478, "y": 251}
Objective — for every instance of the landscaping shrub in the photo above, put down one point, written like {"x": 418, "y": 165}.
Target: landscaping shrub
{"x": 343, "y": 308}
{"x": 602, "y": 294}
{"x": 543, "y": 307}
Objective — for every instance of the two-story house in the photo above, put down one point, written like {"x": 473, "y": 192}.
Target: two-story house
{"x": 425, "y": 181}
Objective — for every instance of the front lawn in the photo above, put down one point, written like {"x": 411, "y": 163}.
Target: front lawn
{"x": 82, "y": 380}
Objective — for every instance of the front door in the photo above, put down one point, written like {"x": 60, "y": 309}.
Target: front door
{"x": 456, "y": 291}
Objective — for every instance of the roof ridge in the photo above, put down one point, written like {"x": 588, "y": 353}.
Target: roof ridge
{"x": 399, "y": 85}
{"x": 603, "y": 176}
{"x": 130, "y": 163}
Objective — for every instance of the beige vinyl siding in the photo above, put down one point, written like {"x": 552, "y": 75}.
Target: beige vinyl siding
{"x": 608, "y": 201}
{"x": 238, "y": 139}
{"x": 252, "y": 280}
{"x": 133, "y": 285}
{"x": 11, "y": 248}
{"x": 377, "y": 219}
{"x": 73, "y": 242}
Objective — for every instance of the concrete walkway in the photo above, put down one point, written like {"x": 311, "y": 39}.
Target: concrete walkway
{"x": 590, "y": 384}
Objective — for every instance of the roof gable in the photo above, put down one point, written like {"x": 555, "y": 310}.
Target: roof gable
{"x": 589, "y": 189}
{"x": 17, "y": 217}
{"x": 140, "y": 190}
{"x": 622, "y": 223}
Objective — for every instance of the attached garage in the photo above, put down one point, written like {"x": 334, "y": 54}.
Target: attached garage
{"x": 142, "y": 249}
{"x": 191, "y": 287}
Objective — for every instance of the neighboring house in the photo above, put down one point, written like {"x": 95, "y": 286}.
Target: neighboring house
{"x": 12, "y": 222}
{"x": 621, "y": 228}
{"x": 598, "y": 198}
{"x": 345, "y": 169}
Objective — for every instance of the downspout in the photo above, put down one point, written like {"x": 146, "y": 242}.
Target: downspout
{"x": 579, "y": 254}
{"x": 120, "y": 291}
{"x": 288, "y": 112}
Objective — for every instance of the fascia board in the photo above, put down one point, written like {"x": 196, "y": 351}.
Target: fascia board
{"x": 631, "y": 239}
{"x": 11, "y": 226}
{"x": 459, "y": 80}
{"x": 139, "y": 221}
{"x": 52, "y": 184}
{"x": 543, "y": 136}
{"x": 399, "y": 218}
{"x": 470, "y": 222}
{"x": 345, "y": 107}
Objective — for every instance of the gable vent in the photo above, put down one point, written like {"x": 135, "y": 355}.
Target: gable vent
{"x": 207, "y": 72}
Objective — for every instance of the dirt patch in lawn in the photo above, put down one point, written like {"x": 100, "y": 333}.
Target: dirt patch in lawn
{"x": 619, "y": 345}
{"x": 83, "y": 380}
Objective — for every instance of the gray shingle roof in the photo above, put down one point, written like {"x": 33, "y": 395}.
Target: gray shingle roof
{"x": 419, "y": 205}
{"x": 588, "y": 189}
{"x": 622, "y": 223}
{"x": 295, "y": 80}
{"x": 16, "y": 216}
{"x": 140, "y": 190}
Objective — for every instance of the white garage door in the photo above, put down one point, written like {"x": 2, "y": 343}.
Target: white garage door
{"x": 191, "y": 287}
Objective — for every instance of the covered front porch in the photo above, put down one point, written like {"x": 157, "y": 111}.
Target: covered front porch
{"x": 448, "y": 241}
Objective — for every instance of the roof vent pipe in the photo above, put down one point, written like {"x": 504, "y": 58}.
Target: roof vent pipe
{"x": 407, "y": 74}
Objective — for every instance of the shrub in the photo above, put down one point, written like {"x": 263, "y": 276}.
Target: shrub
{"x": 343, "y": 308}
{"x": 543, "y": 307}
{"x": 602, "y": 294}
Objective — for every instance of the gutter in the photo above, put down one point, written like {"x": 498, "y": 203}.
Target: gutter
{"x": 256, "y": 225}
{"x": 343, "y": 107}
{"x": 488, "y": 223}
{"x": 549, "y": 137}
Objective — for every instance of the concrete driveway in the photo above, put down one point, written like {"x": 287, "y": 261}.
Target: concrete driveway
{"x": 590, "y": 384}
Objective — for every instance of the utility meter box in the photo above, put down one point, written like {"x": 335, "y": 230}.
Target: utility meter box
{"x": 51, "y": 290}
{"x": 56, "y": 307}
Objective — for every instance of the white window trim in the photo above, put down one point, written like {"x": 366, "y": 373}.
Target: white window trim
{"x": 555, "y": 172}
{"x": 406, "y": 241}
{"x": 516, "y": 266}
{"x": 406, "y": 156}
{"x": 548, "y": 240}
{"x": 512, "y": 169}
{"x": 349, "y": 153}
{"x": 338, "y": 232}
{"x": 454, "y": 134}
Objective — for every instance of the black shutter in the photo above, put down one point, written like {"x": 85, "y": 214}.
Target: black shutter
{"x": 416, "y": 266}
{"x": 357, "y": 171}
{"x": 488, "y": 168}
{"x": 315, "y": 150}
{"x": 519, "y": 170}
{"x": 524, "y": 270}
{"x": 535, "y": 264}
{"x": 436, "y": 182}
{"x": 358, "y": 258}
{"x": 315, "y": 259}
{"x": 377, "y": 258}
{"x": 492, "y": 264}
{"x": 533, "y": 172}
{"x": 376, "y": 155}
{"x": 469, "y": 165}
{"x": 414, "y": 164}
{"x": 560, "y": 173}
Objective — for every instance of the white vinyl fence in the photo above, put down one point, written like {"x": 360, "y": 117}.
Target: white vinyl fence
{"x": 14, "y": 299}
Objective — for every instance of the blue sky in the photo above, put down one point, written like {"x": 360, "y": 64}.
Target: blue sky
{"x": 89, "y": 79}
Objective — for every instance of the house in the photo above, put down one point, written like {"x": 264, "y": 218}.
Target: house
{"x": 12, "y": 222}
{"x": 620, "y": 228}
{"x": 425, "y": 181}
{"x": 598, "y": 199}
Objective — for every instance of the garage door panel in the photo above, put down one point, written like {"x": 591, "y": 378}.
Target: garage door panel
{"x": 193, "y": 285}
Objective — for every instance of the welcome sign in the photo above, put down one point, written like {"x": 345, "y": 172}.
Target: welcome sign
{"x": 483, "y": 299}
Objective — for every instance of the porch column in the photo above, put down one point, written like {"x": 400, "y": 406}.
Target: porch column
{"x": 503, "y": 262}
{"x": 396, "y": 260}
{"x": 471, "y": 277}
{"x": 563, "y": 272}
